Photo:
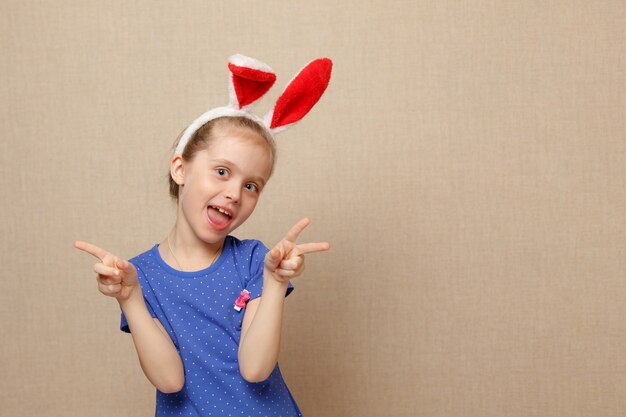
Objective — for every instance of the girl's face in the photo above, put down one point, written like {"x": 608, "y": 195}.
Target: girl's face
{"x": 222, "y": 183}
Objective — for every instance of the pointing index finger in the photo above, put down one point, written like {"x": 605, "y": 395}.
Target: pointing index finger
{"x": 91, "y": 249}
{"x": 294, "y": 232}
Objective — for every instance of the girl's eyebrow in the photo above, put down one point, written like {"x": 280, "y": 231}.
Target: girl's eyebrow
{"x": 223, "y": 161}
{"x": 229, "y": 163}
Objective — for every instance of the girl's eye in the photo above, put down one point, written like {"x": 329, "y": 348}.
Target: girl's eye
{"x": 222, "y": 172}
{"x": 252, "y": 187}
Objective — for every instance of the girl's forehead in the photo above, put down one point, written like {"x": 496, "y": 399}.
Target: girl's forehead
{"x": 250, "y": 153}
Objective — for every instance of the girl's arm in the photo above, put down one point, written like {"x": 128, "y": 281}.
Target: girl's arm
{"x": 261, "y": 329}
{"x": 157, "y": 354}
{"x": 259, "y": 345}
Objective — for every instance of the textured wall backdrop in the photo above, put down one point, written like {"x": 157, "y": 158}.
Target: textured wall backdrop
{"x": 468, "y": 163}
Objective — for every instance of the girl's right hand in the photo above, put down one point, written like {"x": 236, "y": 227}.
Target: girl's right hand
{"x": 116, "y": 277}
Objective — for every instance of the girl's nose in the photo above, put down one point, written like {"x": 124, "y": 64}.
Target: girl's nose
{"x": 233, "y": 193}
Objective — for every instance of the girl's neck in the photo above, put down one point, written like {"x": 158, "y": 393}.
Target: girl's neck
{"x": 183, "y": 250}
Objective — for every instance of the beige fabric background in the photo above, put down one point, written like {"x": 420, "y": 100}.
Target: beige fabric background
{"x": 468, "y": 163}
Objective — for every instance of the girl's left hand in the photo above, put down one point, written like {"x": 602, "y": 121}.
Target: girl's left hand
{"x": 286, "y": 260}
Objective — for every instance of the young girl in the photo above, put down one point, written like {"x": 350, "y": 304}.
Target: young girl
{"x": 204, "y": 308}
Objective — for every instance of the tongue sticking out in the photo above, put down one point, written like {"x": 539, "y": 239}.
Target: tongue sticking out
{"x": 217, "y": 217}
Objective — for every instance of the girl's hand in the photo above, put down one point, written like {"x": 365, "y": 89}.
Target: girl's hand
{"x": 286, "y": 260}
{"x": 116, "y": 277}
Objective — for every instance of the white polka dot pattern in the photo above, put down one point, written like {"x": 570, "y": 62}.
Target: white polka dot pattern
{"x": 196, "y": 309}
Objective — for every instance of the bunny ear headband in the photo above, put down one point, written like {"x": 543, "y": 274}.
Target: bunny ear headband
{"x": 250, "y": 80}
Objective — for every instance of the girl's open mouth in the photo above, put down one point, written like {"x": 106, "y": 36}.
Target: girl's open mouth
{"x": 219, "y": 217}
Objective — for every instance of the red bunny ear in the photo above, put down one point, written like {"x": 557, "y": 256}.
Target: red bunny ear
{"x": 300, "y": 95}
{"x": 250, "y": 80}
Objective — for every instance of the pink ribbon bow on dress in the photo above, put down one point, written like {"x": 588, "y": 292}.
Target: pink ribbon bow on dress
{"x": 242, "y": 300}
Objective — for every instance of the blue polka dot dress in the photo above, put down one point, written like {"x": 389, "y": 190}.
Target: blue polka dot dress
{"x": 197, "y": 310}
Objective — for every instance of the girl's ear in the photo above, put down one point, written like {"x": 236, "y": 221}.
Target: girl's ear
{"x": 177, "y": 170}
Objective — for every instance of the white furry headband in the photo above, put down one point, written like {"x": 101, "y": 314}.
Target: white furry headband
{"x": 250, "y": 80}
